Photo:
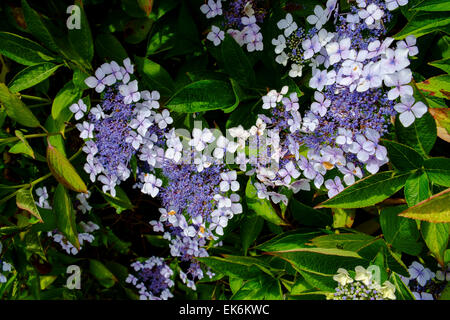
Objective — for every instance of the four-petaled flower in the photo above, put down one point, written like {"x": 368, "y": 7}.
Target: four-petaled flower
{"x": 79, "y": 109}
{"x": 319, "y": 18}
{"x": 287, "y": 24}
{"x": 151, "y": 185}
{"x": 371, "y": 14}
{"x": 216, "y": 35}
{"x": 409, "y": 110}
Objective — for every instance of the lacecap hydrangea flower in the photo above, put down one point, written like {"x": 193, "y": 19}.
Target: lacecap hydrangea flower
{"x": 361, "y": 287}
{"x": 126, "y": 123}
{"x": 199, "y": 197}
{"x": 361, "y": 81}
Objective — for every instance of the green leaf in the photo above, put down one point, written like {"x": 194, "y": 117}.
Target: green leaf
{"x": 263, "y": 287}
{"x": 251, "y": 290}
{"x": 65, "y": 215}
{"x": 445, "y": 295}
{"x": 421, "y": 135}
{"x": 434, "y": 209}
{"x": 399, "y": 232}
{"x": 438, "y": 170}
{"x": 16, "y": 109}
{"x": 344, "y": 241}
{"x": 37, "y": 27}
{"x": 288, "y": 241}
{"x": 343, "y": 218}
{"x": 137, "y": 30}
{"x": 31, "y": 76}
{"x": 238, "y": 93}
{"x": 68, "y": 95}
{"x": 417, "y": 188}
{"x": 22, "y": 146}
{"x": 393, "y": 261}
{"x": 442, "y": 117}
{"x": 23, "y": 50}
{"x": 235, "y": 284}
{"x": 49, "y": 221}
{"x": 203, "y": 95}
{"x": 402, "y": 291}
{"x": 161, "y": 40}
{"x": 271, "y": 288}
{"x": 322, "y": 261}
{"x": 81, "y": 39}
{"x": 368, "y": 191}
{"x": 262, "y": 207}
{"x": 438, "y": 86}
{"x": 105, "y": 277}
{"x": 432, "y": 5}
{"x": 324, "y": 282}
{"x": 238, "y": 267}
{"x": 63, "y": 171}
{"x": 120, "y": 202}
{"x": 25, "y": 201}
{"x": 443, "y": 64}
{"x": 186, "y": 38}
{"x": 109, "y": 48}
{"x": 308, "y": 216}
{"x": 423, "y": 23}
{"x": 155, "y": 76}
{"x": 300, "y": 286}
{"x": 402, "y": 157}
{"x": 55, "y": 140}
{"x": 250, "y": 227}
{"x": 78, "y": 79}
{"x": 237, "y": 64}
{"x": 436, "y": 236}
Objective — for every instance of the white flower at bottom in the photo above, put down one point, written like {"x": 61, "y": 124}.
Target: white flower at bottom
{"x": 342, "y": 277}
{"x": 363, "y": 275}
{"x": 388, "y": 290}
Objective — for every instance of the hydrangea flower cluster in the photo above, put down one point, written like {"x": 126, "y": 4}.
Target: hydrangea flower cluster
{"x": 153, "y": 279}
{"x": 424, "y": 283}
{"x": 198, "y": 199}
{"x": 352, "y": 108}
{"x": 199, "y": 205}
{"x": 241, "y": 20}
{"x": 123, "y": 125}
{"x": 87, "y": 227}
{"x": 4, "y": 267}
{"x": 362, "y": 287}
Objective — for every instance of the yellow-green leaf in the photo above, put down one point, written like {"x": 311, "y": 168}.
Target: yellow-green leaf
{"x": 63, "y": 170}
{"x": 16, "y": 109}
{"x": 32, "y": 75}
{"x": 102, "y": 274}
{"x": 65, "y": 215}
{"x": 434, "y": 209}
{"x": 22, "y": 146}
{"x": 438, "y": 86}
{"x": 25, "y": 201}
{"x": 368, "y": 191}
